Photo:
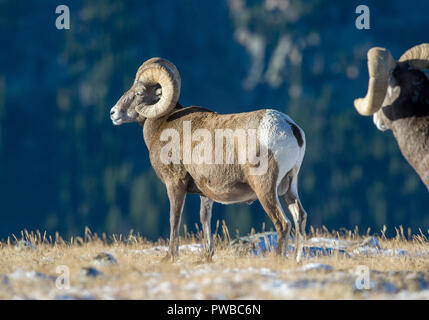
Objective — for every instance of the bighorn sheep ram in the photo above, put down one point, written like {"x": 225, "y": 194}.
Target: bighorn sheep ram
{"x": 152, "y": 101}
{"x": 398, "y": 99}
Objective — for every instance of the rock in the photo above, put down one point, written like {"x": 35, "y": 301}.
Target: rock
{"x": 88, "y": 273}
{"x": 370, "y": 242}
{"x": 24, "y": 245}
{"x": 104, "y": 258}
{"x": 415, "y": 282}
{"x": 314, "y": 251}
{"x": 4, "y": 280}
{"x": 260, "y": 243}
{"x": 396, "y": 277}
{"x": 304, "y": 284}
{"x": 387, "y": 287}
{"x": 257, "y": 244}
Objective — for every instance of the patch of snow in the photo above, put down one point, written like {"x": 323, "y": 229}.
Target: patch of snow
{"x": 151, "y": 282}
{"x": 201, "y": 270}
{"x": 394, "y": 252}
{"x": 163, "y": 288}
{"x": 191, "y": 286}
{"x": 366, "y": 251}
{"x": 321, "y": 246}
{"x": 191, "y": 247}
{"x": 153, "y": 250}
{"x": 406, "y": 295}
{"x": 29, "y": 275}
{"x": 163, "y": 249}
{"x": 316, "y": 266}
{"x": 184, "y": 273}
{"x": 267, "y": 272}
{"x": 261, "y": 271}
{"x": 328, "y": 242}
{"x": 422, "y": 253}
{"x": 152, "y": 274}
{"x": 207, "y": 281}
{"x": 310, "y": 252}
{"x": 386, "y": 252}
{"x": 278, "y": 288}
{"x": 47, "y": 259}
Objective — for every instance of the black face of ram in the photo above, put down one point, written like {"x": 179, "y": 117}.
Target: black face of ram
{"x": 409, "y": 96}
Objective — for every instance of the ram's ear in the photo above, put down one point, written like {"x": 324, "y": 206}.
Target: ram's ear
{"x": 158, "y": 92}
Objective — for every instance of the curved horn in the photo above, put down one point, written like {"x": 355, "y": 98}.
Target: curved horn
{"x": 162, "y": 72}
{"x": 380, "y": 63}
{"x": 160, "y": 61}
{"x": 417, "y": 57}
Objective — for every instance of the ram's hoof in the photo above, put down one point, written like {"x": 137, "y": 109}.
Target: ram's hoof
{"x": 207, "y": 255}
{"x": 298, "y": 257}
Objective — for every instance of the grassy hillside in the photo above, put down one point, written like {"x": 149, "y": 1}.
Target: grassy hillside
{"x": 133, "y": 269}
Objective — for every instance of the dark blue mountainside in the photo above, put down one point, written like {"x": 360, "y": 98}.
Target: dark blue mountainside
{"x": 64, "y": 166}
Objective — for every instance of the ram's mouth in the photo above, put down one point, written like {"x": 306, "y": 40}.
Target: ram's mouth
{"x": 116, "y": 121}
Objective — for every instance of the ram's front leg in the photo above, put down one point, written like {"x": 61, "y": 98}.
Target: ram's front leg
{"x": 176, "y": 195}
{"x": 205, "y": 217}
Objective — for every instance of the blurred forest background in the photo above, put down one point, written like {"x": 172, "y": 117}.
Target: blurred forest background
{"x": 64, "y": 166}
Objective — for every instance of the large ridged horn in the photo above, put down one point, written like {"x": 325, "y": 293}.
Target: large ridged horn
{"x": 417, "y": 57}
{"x": 380, "y": 63}
{"x": 161, "y": 61}
{"x": 159, "y": 71}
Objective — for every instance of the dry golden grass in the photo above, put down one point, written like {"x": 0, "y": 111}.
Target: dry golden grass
{"x": 140, "y": 273}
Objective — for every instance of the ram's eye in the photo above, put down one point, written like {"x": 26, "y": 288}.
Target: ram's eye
{"x": 139, "y": 93}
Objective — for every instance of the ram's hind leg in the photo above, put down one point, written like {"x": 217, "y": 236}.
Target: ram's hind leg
{"x": 206, "y": 207}
{"x": 272, "y": 207}
{"x": 266, "y": 191}
{"x": 299, "y": 215}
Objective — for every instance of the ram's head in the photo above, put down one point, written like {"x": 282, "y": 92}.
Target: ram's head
{"x": 154, "y": 93}
{"x": 398, "y": 99}
{"x": 395, "y": 83}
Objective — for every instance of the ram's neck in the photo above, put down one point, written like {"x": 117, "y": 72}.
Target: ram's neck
{"x": 151, "y": 126}
{"x": 412, "y": 135}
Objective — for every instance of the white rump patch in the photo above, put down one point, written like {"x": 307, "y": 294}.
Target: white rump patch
{"x": 276, "y": 134}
